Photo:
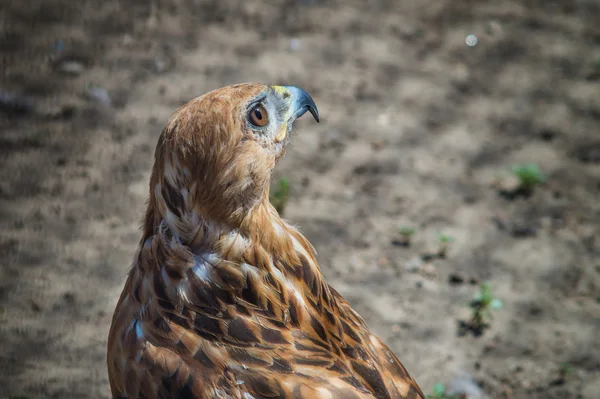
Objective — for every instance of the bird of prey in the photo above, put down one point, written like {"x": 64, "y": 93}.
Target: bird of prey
{"x": 225, "y": 299}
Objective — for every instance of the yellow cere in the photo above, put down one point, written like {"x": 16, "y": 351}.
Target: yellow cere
{"x": 282, "y": 133}
{"x": 280, "y": 90}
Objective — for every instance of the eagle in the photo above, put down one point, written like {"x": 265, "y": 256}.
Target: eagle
{"x": 224, "y": 298}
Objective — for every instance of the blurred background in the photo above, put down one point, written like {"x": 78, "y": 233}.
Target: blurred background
{"x": 451, "y": 189}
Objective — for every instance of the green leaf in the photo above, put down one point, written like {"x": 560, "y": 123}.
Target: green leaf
{"x": 485, "y": 294}
{"x": 407, "y": 231}
{"x": 529, "y": 174}
{"x": 439, "y": 389}
{"x": 443, "y": 238}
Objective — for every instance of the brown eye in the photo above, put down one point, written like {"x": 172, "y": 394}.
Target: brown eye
{"x": 258, "y": 116}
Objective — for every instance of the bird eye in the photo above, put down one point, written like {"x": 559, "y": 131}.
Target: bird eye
{"x": 259, "y": 116}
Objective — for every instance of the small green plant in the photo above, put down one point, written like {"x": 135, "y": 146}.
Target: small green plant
{"x": 482, "y": 306}
{"x": 529, "y": 175}
{"x": 407, "y": 233}
{"x": 439, "y": 392}
{"x": 280, "y": 194}
{"x": 444, "y": 242}
{"x": 565, "y": 370}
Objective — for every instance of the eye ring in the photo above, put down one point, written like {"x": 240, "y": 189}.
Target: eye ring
{"x": 258, "y": 116}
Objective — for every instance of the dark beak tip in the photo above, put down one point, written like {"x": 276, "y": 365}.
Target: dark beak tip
{"x": 313, "y": 111}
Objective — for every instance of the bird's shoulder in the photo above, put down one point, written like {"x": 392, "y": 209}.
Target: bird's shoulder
{"x": 236, "y": 329}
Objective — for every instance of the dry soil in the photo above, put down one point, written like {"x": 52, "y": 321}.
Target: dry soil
{"x": 416, "y": 128}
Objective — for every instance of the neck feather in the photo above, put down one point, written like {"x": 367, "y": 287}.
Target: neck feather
{"x": 180, "y": 243}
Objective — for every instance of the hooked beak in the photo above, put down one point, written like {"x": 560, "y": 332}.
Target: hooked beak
{"x": 300, "y": 102}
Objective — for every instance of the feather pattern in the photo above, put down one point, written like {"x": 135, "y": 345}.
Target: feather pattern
{"x": 224, "y": 298}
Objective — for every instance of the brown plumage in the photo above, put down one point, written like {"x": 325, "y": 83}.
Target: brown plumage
{"x": 224, "y": 298}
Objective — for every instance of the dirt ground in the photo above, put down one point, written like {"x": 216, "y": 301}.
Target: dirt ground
{"x": 416, "y": 128}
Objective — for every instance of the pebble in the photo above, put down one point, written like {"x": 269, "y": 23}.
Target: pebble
{"x": 494, "y": 28}
{"x": 295, "y": 44}
{"x": 465, "y": 387}
{"x": 429, "y": 270}
{"x": 15, "y": 103}
{"x": 159, "y": 66}
{"x": 99, "y": 94}
{"x": 507, "y": 184}
{"x": 471, "y": 40}
{"x": 71, "y": 67}
{"x": 413, "y": 264}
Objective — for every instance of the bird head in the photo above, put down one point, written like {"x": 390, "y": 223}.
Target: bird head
{"x": 216, "y": 154}
{"x": 270, "y": 115}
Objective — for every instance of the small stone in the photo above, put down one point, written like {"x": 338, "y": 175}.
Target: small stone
{"x": 15, "y": 103}
{"x": 71, "y": 67}
{"x": 99, "y": 94}
{"x": 509, "y": 184}
{"x": 127, "y": 39}
{"x": 159, "y": 66}
{"x": 295, "y": 44}
{"x": 494, "y": 28}
{"x": 465, "y": 387}
{"x": 429, "y": 270}
{"x": 413, "y": 264}
{"x": 471, "y": 40}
